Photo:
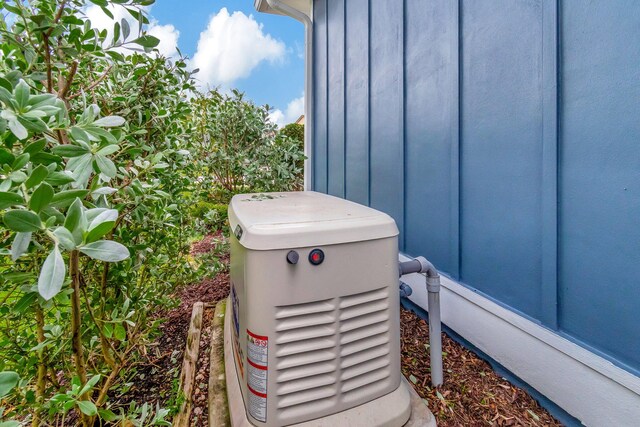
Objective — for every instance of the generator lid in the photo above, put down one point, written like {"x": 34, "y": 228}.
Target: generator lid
{"x": 265, "y": 221}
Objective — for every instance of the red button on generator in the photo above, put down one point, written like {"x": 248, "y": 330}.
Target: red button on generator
{"x": 316, "y": 257}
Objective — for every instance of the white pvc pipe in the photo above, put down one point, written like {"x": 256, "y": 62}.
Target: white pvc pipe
{"x": 308, "y": 80}
{"x": 421, "y": 265}
{"x": 435, "y": 332}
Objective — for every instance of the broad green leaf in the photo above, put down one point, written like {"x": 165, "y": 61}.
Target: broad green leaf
{"x": 75, "y": 221}
{"x": 107, "y": 12}
{"x": 35, "y": 146}
{"x": 25, "y": 302}
{"x": 147, "y": 40}
{"x": 105, "y": 414}
{"x": 87, "y": 407}
{"x": 9, "y": 424}
{"x": 18, "y": 177}
{"x": 108, "y": 150}
{"x": 109, "y": 121}
{"x": 65, "y": 238}
{"x": 90, "y": 384}
{"x": 79, "y": 136}
{"x": 8, "y": 199}
{"x": 22, "y": 221}
{"x": 20, "y": 161}
{"x": 59, "y": 178}
{"x": 98, "y": 132}
{"x": 37, "y": 175}
{"x": 6, "y": 84}
{"x": 106, "y": 250}
{"x": 99, "y": 231}
{"x": 33, "y": 124}
{"x": 89, "y": 114}
{"x": 21, "y": 94}
{"x": 91, "y": 214}
{"x": 20, "y": 245}
{"x": 120, "y": 332}
{"x": 41, "y": 198}
{"x": 6, "y": 158}
{"x": 52, "y": 275}
{"x": 116, "y": 32}
{"x": 106, "y": 166}
{"x": 138, "y": 15}
{"x": 108, "y": 215}
{"x": 37, "y": 101}
{"x": 69, "y": 150}
{"x": 8, "y": 380}
{"x": 43, "y": 158}
{"x": 104, "y": 191}
{"x": 126, "y": 29}
{"x": 65, "y": 198}
{"x": 107, "y": 330}
{"x": 17, "y": 129}
{"x": 82, "y": 169}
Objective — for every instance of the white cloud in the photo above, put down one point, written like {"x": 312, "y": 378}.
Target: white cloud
{"x": 168, "y": 34}
{"x": 294, "y": 110}
{"x": 231, "y": 47}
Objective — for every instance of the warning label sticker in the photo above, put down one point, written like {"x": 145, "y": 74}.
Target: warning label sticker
{"x": 257, "y": 358}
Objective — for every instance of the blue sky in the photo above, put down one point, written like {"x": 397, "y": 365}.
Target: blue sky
{"x": 235, "y": 47}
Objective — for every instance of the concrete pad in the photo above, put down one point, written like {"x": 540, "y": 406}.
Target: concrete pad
{"x": 421, "y": 416}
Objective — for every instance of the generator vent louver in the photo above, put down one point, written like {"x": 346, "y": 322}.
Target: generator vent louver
{"x": 334, "y": 350}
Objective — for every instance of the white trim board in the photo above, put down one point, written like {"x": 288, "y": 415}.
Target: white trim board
{"x": 582, "y": 383}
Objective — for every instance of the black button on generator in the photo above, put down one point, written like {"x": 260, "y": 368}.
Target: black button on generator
{"x": 293, "y": 257}
{"x": 316, "y": 257}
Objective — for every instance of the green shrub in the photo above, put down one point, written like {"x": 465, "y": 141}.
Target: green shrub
{"x": 213, "y": 215}
{"x": 95, "y": 184}
{"x": 107, "y": 167}
{"x": 242, "y": 151}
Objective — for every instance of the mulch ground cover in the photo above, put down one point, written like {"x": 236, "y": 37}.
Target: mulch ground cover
{"x": 156, "y": 380}
{"x": 472, "y": 393}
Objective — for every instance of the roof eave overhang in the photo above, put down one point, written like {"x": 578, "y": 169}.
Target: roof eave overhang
{"x": 303, "y": 6}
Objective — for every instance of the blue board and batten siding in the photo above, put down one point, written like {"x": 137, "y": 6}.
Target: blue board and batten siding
{"x": 504, "y": 138}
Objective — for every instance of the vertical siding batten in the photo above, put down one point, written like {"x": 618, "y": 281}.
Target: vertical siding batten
{"x": 336, "y": 106}
{"x": 501, "y": 151}
{"x": 357, "y": 101}
{"x": 549, "y": 283}
{"x": 402, "y": 124}
{"x": 320, "y": 95}
{"x": 456, "y": 103}
{"x": 386, "y": 116}
{"x": 429, "y": 117}
{"x": 599, "y": 180}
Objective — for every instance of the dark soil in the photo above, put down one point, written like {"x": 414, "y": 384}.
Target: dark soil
{"x": 472, "y": 393}
{"x": 213, "y": 243}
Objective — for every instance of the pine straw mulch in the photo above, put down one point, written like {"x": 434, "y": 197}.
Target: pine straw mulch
{"x": 472, "y": 393}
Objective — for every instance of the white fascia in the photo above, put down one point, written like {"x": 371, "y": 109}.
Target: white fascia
{"x": 300, "y": 10}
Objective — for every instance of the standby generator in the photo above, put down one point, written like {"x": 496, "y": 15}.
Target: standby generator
{"x": 312, "y": 326}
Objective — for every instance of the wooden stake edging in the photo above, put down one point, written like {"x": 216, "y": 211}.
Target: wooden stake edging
{"x": 188, "y": 374}
{"x": 218, "y": 405}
